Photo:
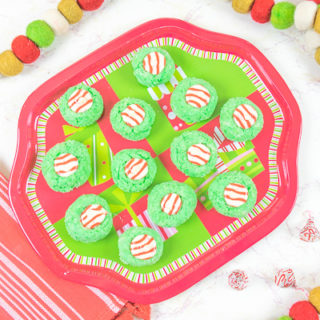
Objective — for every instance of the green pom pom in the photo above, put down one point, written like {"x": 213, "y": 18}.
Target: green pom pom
{"x": 282, "y": 15}
{"x": 285, "y": 318}
{"x": 40, "y": 33}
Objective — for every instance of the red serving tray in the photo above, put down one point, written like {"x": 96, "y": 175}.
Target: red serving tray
{"x": 181, "y": 279}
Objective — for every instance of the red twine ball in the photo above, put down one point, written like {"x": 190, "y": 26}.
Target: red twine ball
{"x": 303, "y": 310}
{"x": 285, "y": 278}
{"x": 238, "y": 280}
{"x": 25, "y": 49}
{"x": 90, "y": 5}
{"x": 261, "y": 10}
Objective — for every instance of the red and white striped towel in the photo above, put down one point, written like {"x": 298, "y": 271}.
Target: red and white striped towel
{"x": 29, "y": 290}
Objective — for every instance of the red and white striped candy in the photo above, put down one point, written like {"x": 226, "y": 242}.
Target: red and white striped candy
{"x": 80, "y": 101}
{"x": 133, "y": 115}
{"x": 235, "y": 195}
{"x": 92, "y": 216}
{"x": 136, "y": 169}
{"x": 197, "y": 96}
{"x": 245, "y": 116}
{"x": 285, "y": 278}
{"x": 143, "y": 247}
{"x": 199, "y": 154}
{"x": 154, "y": 62}
{"x": 171, "y": 204}
{"x": 65, "y": 164}
{"x": 310, "y": 233}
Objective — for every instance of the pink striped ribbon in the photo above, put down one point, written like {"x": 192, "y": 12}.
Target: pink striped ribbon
{"x": 29, "y": 290}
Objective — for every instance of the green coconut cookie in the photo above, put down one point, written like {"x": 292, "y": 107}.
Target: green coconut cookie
{"x": 233, "y": 194}
{"x": 66, "y": 166}
{"x": 140, "y": 246}
{"x": 133, "y": 170}
{"x": 81, "y": 105}
{"x": 132, "y": 118}
{"x": 171, "y": 204}
{"x": 240, "y": 119}
{"x": 194, "y": 100}
{"x": 194, "y": 153}
{"x": 88, "y": 219}
{"x": 153, "y": 66}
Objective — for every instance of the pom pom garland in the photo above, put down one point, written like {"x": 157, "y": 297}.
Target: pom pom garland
{"x": 25, "y": 49}
{"x": 41, "y": 33}
{"x": 283, "y": 14}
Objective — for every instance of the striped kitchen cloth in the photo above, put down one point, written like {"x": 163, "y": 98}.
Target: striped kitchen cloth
{"x": 29, "y": 290}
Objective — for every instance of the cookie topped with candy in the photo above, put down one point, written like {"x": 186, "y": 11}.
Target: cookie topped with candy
{"x": 241, "y": 119}
{"x": 153, "y": 66}
{"x": 194, "y": 100}
{"x": 194, "y": 153}
{"x": 132, "y": 118}
{"x": 81, "y": 105}
{"x": 133, "y": 170}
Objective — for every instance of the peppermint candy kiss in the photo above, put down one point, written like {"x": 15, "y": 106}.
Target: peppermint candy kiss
{"x": 65, "y": 165}
{"x": 93, "y": 216}
{"x": 197, "y": 96}
{"x": 245, "y": 116}
{"x": 80, "y": 101}
{"x": 143, "y": 247}
{"x": 154, "y": 62}
{"x": 136, "y": 169}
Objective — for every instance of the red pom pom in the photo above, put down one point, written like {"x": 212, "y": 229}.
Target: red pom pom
{"x": 261, "y": 10}
{"x": 303, "y": 310}
{"x": 90, "y": 5}
{"x": 25, "y": 49}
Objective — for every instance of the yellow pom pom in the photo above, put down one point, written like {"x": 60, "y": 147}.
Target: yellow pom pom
{"x": 10, "y": 65}
{"x": 314, "y": 296}
{"x": 316, "y": 25}
{"x": 71, "y": 10}
{"x": 242, "y": 6}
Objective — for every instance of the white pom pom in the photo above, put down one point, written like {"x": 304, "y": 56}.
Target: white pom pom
{"x": 56, "y": 21}
{"x": 312, "y": 40}
{"x": 305, "y": 14}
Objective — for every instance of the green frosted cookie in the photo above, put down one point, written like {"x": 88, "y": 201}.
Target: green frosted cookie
{"x": 133, "y": 170}
{"x": 171, "y": 204}
{"x": 81, "y": 105}
{"x": 153, "y": 66}
{"x": 132, "y": 118}
{"x": 88, "y": 219}
{"x": 140, "y": 246}
{"x": 194, "y": 100}
{"x": 233, "y": 194}
{"x": 66, "y": 166}
{"x": 240, "y": 119}
{"x": 194, "y": 153}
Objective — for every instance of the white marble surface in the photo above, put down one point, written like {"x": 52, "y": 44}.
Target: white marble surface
{"x": 211, "y": 298}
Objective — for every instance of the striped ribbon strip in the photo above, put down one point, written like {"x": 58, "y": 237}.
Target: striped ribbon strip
{"x": 28, "y": 290}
